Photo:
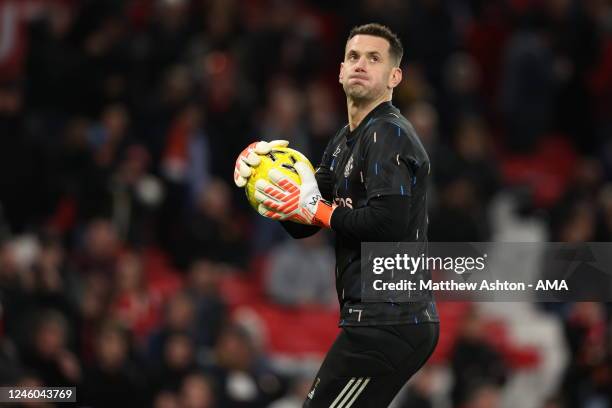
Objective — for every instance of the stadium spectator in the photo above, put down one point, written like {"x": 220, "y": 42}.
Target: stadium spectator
{"x": 133, "y": 304}
{"x": 241, "y": 373}
{"x": 586, "y": 377}
{"x": 210, "y": 307}
{"x": 48, "y": 355}
{"x": 213, "y": 231}
{"x": 113, "y": 378}
{"x": 196, "y": 392}
{"x": 177, "y": 362}
{"x": 478, "y": 369}
{"x": 298, "y": 273}
{"x": 180, "y": 316}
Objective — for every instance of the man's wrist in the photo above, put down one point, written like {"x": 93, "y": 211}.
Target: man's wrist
{"x": 323, "y": 213}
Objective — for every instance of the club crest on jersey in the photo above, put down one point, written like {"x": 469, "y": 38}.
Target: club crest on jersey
{"x": 349, "y": 167}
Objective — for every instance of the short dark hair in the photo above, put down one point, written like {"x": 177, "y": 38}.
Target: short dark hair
{"x": 396, "y": 50}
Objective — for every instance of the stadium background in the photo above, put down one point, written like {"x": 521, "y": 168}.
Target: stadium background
{"x": 131, "y": 267}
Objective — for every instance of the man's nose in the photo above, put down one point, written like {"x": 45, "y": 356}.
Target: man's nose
{"x": 361, "y": 64}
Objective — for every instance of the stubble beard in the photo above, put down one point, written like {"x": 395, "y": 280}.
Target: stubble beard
{"x": 359, "y": 94}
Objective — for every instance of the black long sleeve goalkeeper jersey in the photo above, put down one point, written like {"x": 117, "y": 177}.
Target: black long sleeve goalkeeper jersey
{"x": 377, "y": 175}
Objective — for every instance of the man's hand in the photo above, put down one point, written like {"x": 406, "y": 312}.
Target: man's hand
{"x": 249, "y": 158}
{"x": 284, "y": 200}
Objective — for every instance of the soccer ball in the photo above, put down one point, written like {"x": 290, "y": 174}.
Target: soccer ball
{"x": 281, "y": 158}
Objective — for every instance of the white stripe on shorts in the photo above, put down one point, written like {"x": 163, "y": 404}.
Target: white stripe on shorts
{"x": 344, "y": 390}
{"x": 358, "y": 392}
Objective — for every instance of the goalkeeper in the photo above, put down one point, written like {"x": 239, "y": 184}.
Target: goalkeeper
{"x": 371, "y": 185}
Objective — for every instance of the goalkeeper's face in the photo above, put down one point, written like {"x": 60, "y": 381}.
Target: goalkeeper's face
{"x": 368, "y": 71}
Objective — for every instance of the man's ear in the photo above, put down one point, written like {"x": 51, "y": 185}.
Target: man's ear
{"x": 395, "y": 78}
{"x": 341, "y": 72}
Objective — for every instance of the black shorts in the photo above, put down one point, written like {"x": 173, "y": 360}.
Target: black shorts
{"x": 367, "y": 366}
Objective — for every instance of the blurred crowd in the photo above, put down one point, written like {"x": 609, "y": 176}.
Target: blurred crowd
{"x": 119, "y": 125}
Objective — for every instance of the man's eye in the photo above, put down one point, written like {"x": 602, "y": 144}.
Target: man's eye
{"x": 352, "y": 57}
{"x": 374, "y": 58}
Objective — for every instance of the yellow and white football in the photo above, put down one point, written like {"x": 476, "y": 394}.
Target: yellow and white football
{"x": 281, "y": 158}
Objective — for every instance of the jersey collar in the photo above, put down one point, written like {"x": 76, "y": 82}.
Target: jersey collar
{"x": 381, "y": 108}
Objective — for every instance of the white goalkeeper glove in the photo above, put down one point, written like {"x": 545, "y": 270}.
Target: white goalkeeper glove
{"x": 285, "y": 200}
{"x": 249, "y": 158}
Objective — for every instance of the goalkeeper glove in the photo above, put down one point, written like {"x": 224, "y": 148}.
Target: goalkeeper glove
{"x": 249, "y": 158}
{"x": 284, "y": 200}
